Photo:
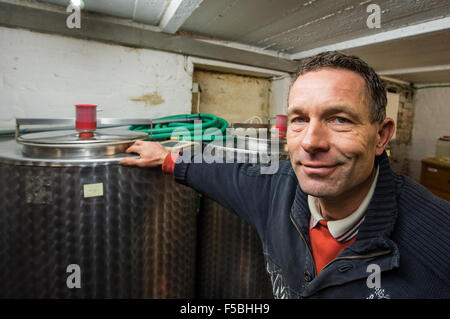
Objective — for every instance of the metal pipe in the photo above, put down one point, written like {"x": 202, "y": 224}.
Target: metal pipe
{"x": 101, "y": 123}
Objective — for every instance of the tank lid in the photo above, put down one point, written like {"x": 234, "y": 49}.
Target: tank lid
{"x": 68, "y": 144}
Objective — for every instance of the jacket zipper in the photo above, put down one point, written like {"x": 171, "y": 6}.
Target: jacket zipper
{"x": 381, "y": 253}
{"x": 304, "y": 240}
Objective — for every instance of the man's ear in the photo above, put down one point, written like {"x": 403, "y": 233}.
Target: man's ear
{"x": 385, "y": 132}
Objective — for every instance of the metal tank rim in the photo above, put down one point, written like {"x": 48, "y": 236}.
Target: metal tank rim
{"x": 11, "y": 153}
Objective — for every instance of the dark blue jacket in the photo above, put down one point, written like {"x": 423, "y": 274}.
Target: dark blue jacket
{"x": 405, "y": 233}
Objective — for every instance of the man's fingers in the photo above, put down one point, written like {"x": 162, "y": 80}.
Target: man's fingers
{"x": 130, "y": 161}
{"x": 133, "y": 148}
{"x": 146, "y": 151}
{"x": 139, "y": 162}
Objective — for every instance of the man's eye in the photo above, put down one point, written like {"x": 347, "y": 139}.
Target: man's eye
{"x": 340, "y": 120}
{"x": 298, "y": 120}
{"x": 297, "y": 123}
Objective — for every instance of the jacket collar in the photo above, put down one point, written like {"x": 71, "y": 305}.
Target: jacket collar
{"x": 381, "y": 214}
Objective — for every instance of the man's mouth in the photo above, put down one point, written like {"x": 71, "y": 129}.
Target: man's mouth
{"x": 318, "y": 169}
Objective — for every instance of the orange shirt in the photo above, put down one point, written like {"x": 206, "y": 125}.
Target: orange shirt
{"x": 324, "y": 246}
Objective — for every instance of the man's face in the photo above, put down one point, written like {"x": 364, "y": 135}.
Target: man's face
{"x": 331, "y": 141}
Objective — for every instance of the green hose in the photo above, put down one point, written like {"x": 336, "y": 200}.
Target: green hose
{"x": 211, "y": 128}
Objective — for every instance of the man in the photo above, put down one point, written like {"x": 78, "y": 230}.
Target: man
{"x": 335, "y": 221}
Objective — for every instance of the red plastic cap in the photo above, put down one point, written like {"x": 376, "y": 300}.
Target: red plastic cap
{"x": 86, "y": 117}
{"x": 281, "y": 124}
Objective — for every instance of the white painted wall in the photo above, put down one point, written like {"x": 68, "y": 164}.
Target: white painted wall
{"x": 44, "y": 75}
{"x": 431, "y": 120}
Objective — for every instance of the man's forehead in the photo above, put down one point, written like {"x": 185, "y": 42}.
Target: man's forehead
{"x": 328, "y": 82}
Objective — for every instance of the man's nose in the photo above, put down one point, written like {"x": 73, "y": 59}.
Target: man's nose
{"x": 315, "y": 138}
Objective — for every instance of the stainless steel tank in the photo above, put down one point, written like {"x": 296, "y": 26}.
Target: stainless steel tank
{"x": 74, "y": 223}
{"x": 230, "y": 258}
{"x": 230, "y": 255}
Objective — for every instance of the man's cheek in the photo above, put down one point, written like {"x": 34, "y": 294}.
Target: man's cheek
{"x": 293, "y": 142}
{"x": 352, "y": 146}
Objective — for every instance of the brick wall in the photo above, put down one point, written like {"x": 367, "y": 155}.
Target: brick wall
{"x": 399, "y": 148}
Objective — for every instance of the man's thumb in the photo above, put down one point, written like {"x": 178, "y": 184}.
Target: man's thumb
{"x": 129, "y": 161}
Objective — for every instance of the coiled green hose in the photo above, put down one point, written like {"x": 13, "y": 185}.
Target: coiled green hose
{"x": 212, "y": 128}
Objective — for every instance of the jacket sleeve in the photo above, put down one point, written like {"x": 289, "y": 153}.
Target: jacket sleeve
{"x": 238, "y": 187}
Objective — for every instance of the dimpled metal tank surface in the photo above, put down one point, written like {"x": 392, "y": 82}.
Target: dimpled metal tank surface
{"x": 74, "y": 223}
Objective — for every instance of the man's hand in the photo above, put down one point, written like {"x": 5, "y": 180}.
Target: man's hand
{"x": 151, "y": 154}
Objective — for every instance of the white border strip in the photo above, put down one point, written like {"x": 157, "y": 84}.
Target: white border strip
{"x": 177, "y": 13}
{"x": 191, "y": 62}
{"x": 432, "y": 68}
{"x": 426, "y": 27}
